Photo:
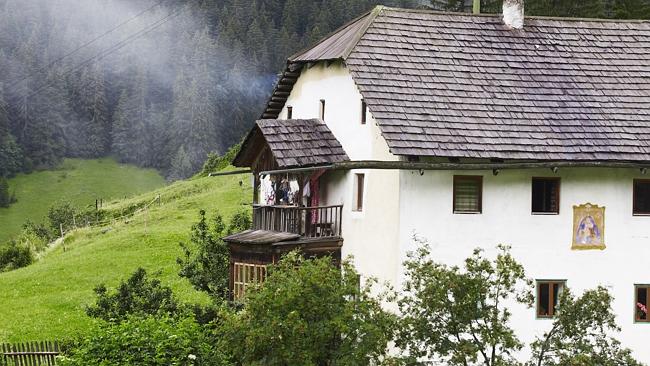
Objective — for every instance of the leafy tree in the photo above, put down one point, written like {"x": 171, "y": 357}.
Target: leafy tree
{"x": 461, "y": 317}
{"x": 581, "y": 333}
{"x": 138, "y": 295}
{"x": 309, "y": 312}
{"x": 207, "y": 259}
{"x": 62, "y": 216}
{"x": 146, "y": 341}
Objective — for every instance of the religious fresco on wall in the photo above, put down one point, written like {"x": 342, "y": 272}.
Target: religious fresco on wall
{"x": 588, "y": 227}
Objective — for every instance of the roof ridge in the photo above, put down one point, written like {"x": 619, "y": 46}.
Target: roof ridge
{"x": 498, "y": 15}
{"x": 334, "y": 32}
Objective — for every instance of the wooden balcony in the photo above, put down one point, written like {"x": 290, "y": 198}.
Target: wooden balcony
{"x": 308, "y": 222}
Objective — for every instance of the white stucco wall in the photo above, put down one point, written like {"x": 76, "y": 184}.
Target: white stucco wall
{"x": 542, "y": 243}
{"x": 370, "y": 236}
{"x": 399, "y": 204}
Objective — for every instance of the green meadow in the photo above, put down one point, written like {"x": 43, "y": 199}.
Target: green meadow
{"x": 46, "y": 300}
{"x": 78, "y": 181}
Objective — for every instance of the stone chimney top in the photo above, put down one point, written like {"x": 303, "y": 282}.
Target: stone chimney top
{"x": 513, "y": 13}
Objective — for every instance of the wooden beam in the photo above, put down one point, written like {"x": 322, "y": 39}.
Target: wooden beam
{"x": 405, "y": 165}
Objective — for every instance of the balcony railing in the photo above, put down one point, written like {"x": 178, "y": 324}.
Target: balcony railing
{"x": 308, "y": 222}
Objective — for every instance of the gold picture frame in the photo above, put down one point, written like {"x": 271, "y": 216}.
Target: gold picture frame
{"x": 588, "y": 227}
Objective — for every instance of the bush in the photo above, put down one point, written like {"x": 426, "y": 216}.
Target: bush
{"x": 146, "y": 341}
{"x": 40, "y": 230}
{"x": 309, "y": 312}
{"x": 139, "y": 295}
{"x": 216, "y": 163}
{"x": 207, "y": 259}
{"x": 5, "y": 196}
{"x": 14, "y": 256}
{"x": 61, "y": 215}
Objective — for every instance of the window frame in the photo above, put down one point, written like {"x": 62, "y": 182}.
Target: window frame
{"x": 636, "y": 301}
{"x": 289, "y": 112}
{"x": 322, "y": 110}
{"x": 359, "y": 191}
{"x": 562, "y": 285}
{"x": 635, "y": 212}
{"x": 364, "y": 112}
{"x": 557, "y": 195}
{"x": 476, "y": 178}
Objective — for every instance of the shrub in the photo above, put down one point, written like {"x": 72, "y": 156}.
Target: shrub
{"x": 14, "y": 256}
{"x": 216, "y": 163}
{"x": 61, "y": 215}
{"x": 309, "y": 312}
{"x": 39, "y": 230}
{"x": 138, "y": 295}
{"x": 207, "y": 259}
{"x": 5, "y": 196}
{"x": 146, "y": 341}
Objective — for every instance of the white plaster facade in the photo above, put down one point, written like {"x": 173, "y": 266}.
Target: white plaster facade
{"x": 399, "y": 204}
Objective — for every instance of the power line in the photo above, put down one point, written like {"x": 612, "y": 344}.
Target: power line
{"x": 102, "y": 54}
{"x": 85, "y": 45}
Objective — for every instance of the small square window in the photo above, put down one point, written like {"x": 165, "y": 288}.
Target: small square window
{"x": 289, "y": 112}
{"x": 546, "y": 196}
{"x": 364, "y": 112}
{"x": 641, "y": 198}
{"x": 468, "y": 194}
{"x": 641, "y": 293}
{"x": 322, "y": 110}
{"x": 358, "y": 191}
{"x": 548, "y": 294}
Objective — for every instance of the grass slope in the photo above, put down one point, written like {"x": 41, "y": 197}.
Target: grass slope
{"x": 78, "y": 181}
{"x": 46, "y": 300}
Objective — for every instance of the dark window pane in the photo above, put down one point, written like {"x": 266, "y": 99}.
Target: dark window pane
{"x": 556, "y": 295}
{"x": 467, "y": 194}
{"x": 543, "y": 300}
{"x": 641, "y": 303}
{"x": 289, "y": 112}
{"x": 546, "y": 195}
{"x": 364, "y": 110}
{"x": 642, "y": 197}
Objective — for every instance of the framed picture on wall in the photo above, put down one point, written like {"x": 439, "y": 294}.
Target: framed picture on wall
{"x": 588, "y": 227}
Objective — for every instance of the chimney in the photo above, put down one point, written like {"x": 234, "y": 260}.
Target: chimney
{"x": 513, "y": 13}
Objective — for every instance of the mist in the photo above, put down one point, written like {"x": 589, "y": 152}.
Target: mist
{"x": 149, "y": 84}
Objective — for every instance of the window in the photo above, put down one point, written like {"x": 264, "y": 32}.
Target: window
{"x": 641, "y": 293}
{"x": 322, "y": 109}
{"x": 546, "y": 196}
{"x": 289, "y": 112}
{"x": 364, "y": 112}
{"x": 548, "y": 293}
{"x": 244, "y": 275}
{"x": 358, "y": 192}
{"x": 641, "y": 197}
{"x": 468, "y": 194}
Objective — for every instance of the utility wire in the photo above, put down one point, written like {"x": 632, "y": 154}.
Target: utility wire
{"x": 44, "y": 68}
{"x": 102, "y": 54}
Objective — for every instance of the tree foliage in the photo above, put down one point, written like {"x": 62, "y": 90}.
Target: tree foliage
{"x": 309, "y": 312}
{"x": 206, "y": 258}
{"x": 581, "y": 333}
{"x": 146, "y": 341}
{"x": 139, "y": 295}
{"x": 462, "y": 316}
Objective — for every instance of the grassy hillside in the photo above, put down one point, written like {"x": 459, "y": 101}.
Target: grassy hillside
{"x": 78, "y": 181}
{"x": 46, "y": 300}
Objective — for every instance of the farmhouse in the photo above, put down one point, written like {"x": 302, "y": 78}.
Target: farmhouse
{"x": 465, "y": 131}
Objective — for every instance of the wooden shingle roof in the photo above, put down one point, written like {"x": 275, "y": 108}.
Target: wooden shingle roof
{"x": 465, "y": 86}
{"x": 293, "y": 143}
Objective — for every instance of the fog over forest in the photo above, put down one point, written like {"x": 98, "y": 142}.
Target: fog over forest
{"x": 157, "y": 84}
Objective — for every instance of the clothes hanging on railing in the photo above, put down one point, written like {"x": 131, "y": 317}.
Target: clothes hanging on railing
{"x": 314, "y": 181}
